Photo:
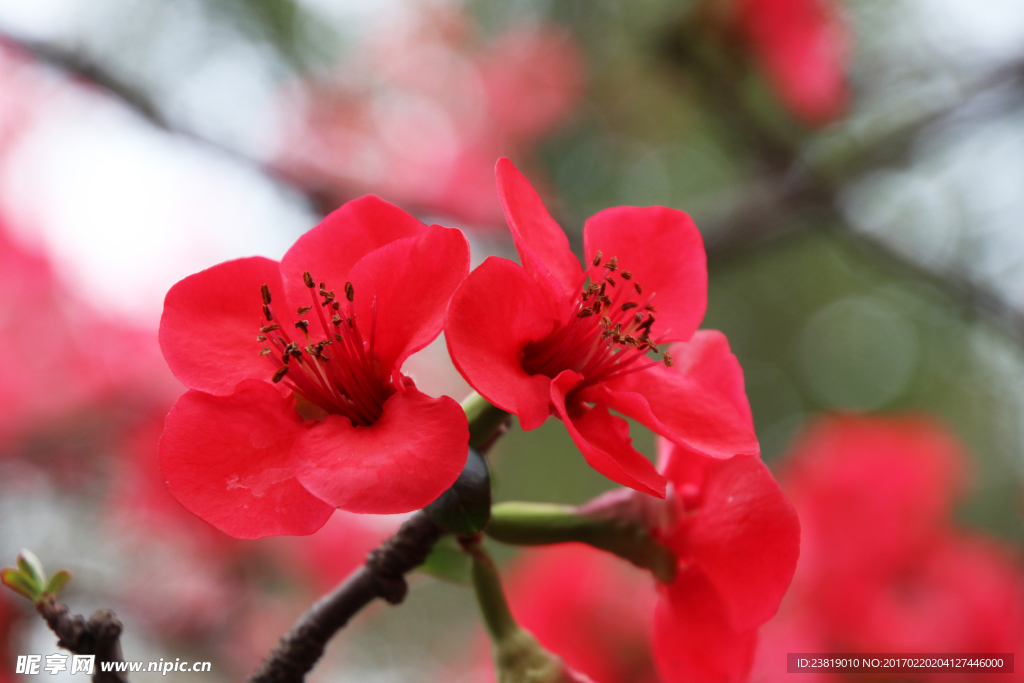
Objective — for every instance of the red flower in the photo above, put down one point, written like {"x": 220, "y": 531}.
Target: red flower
{"x": 551, "y": 338}
{"x": 884, "y": 569}
{"x": 802, "y": 45}
{"x": 735, "y": 539}
{"x": 305, "y": 408}
{"x": 590, "y": 608}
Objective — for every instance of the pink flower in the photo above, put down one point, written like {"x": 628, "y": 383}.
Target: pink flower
{"x": 297, "y": 403}
{"x": 421, "y": 113}
{"x": 803, "y": 46}
{"x": 552, "y": 338}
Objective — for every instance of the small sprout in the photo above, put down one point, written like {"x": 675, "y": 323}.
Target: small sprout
{"x": 29, "y": 580}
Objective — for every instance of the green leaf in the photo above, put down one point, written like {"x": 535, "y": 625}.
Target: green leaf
{"x": 447, "y": 561}
{"x": 58, "y": 581}
{"x": 465, "y": 508}
{"x": 20, "y": 583}
{"x": 30, "y": 565}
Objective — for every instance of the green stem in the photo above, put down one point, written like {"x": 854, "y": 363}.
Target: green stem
{"x": 491, "y": 595}
{"x": 614, "y": 528}
{"x": 485, "y": 421}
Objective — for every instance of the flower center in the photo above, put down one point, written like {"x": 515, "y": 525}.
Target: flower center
{"x": 608, "y": 331}
{"x": 340, "y": 372}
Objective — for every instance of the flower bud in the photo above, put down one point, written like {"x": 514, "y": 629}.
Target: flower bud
{"x": 519, "y": 658}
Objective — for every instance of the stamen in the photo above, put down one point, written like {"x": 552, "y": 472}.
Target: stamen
{"x": 265, "y": 292}
{"x": 610, "y": 281}
{"x": 350, "y": 291}
{"x": 668, "y": 359}
{"x": 612, "y": 264}
{"x": 629, "y": 304}
{"x": 639, "y": 289}
{"x": 308, "y": 279}
{"x": 267, "y": 313}
{"x": 281, "y": 372}
{"x": 270, "y": 328}
{"x": 597, "y": 259}
{"x": 303, "y": 325}
{"x": 584, "y": 312}
{"x": 261, "y": 337}
{"x": 626, "y": 275}
{"x": 303, "y": 310}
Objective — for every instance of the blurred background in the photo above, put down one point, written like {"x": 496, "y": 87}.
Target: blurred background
{"x": 856, "y": 168}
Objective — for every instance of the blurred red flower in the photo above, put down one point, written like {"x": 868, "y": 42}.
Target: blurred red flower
{"x": 884, "y": 568}
{"x": 803, "y": 47}
{"x": 421, "y": 113}
{"x": 339, "y": 425}
{"x": 550, "y": 338}
{"x": 62, "y": 358}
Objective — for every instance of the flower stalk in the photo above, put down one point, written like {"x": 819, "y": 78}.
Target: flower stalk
{"x": 617, "y": 523}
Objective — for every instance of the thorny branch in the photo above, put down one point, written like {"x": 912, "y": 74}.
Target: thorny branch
{"x": 382, "y": 576}
{"x": 100, "y": 635}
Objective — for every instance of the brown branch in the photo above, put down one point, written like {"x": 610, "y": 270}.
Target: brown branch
{"x": 382, "y": 576}
{"x": 79, "y": 66}
{"x": 100, "y": 635}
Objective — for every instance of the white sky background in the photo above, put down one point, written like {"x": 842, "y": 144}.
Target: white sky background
{"x": 127, "y": 210}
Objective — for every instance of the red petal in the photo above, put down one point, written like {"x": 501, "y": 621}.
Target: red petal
{"x": 746, "y": 538}
{"x": 492, "y": 316}
{"x": 604, "y": 440}
{"x": 680, "y": 408}
{"x": 400, "y": 463}
{"x": 708, "y": 359}
{"x": 664, "y": 251}
{"x": 411, "y": 281}
{"x": 542, "y": 244}
{"x": 329, "y": 250}
{"x": 693, "y": 640}
{"x": 210, "y": 322}
{"x": 227, "y": 459}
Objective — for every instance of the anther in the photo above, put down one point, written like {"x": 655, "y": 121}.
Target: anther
{"x": 606, "y": 321}
{"x": 264, "y": 351}
{"x": 265, "y": 291}
{"x": 584, "y": 312}
{"x": 639, "y": 289}
{"x": 281, "y": 372}
{"x": 261, "y": 337}
{"x": 350, "y": 291}
{"x": 308, "y": 279}
{"x": 626, "y": 275}
{"x": 336, "y": 305}
{"x": 303, "y": 310}
{"x": 304, "y": 324}
{"x": 270, "y": 328}
{"x": 610, "y": 281}
{"x": 597, "y": 259}
{"x": 337, "y": 320}
{"x": 650, "y": 307}
{"x": 266, "y": 312}
{"x": 629, "y": 304}
{"x": 612, "y": 264}
{"x": 597, "y": 307}
{"x": 668, "y": 359}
